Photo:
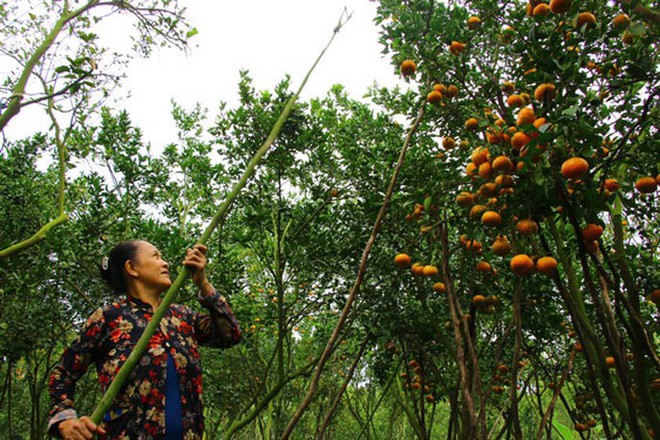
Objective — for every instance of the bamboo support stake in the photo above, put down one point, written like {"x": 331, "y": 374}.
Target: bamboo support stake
{"x": 136, "y": 354}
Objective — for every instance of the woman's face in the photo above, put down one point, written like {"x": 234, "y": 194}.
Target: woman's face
{"x": 150, "y": 268}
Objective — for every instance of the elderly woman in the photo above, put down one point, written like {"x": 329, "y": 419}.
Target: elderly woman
{"x": 162, "y": 396}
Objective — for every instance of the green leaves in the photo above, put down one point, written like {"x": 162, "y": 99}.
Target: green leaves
{"x": 192, "y": 32}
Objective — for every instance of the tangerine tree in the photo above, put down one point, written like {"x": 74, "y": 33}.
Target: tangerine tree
{"x": 533, "y": 208}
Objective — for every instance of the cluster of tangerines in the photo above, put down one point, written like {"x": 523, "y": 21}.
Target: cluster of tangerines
{"x": 499, "y": 174}
{"x": 539, "y": 8}
{"x": 418, "y": 269}
{"x": 584, "y": 403}
{"x": 417, "y": 381}
{"x": 485, "y": 304}
{"x": 500, "y": 374}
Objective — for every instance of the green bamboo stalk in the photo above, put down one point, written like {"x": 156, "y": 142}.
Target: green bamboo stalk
{"x": 14, "y": 104}
{"x": 37, "y": 237}
{"x": 218, "y": 218}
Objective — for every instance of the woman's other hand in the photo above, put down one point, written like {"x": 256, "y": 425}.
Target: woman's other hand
{"x": 196, "y": 261}
{"x": 79, "y": 429}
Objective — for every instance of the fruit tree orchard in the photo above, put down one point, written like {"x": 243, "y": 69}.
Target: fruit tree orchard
{"x": 512, "y": 288}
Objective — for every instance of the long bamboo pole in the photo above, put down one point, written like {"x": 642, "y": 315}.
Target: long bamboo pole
{"x": 218, "y": 218}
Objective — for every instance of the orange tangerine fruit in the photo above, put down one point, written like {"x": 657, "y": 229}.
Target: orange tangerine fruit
{"x": 546, "y": 265}
{"x": 522, "y": 264}
{"x": 574, "y": 167}
{"x": 408, "y": 67}
{"x": 402, "y": 260}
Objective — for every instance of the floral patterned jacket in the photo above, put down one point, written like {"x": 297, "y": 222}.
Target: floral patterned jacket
{"x": 107, "y": 339}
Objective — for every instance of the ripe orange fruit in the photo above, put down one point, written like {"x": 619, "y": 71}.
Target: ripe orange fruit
{"x": 541, "y": 9}
{"x": 408, "y": 67}
{"x": 502, "y": 163}
{"x": 546, "y": 265}
{"x": 417, "y": 269}
{"x": 574, "y": 167}
{"x": 503, "y": 368}
{"x": 488, "y": 189}
{"x": 471, "y": 169}
{"x": 448, "y": 143}
{"x": 611, "y": 185}
{"x": 434, "y": 97}
{"x": 477, "y": 211}
{"x": 474, "y": 245}
{"x": 439, "y": 287}
{"x": 483, "y": 266}
{"x": 544, "y": 91}
{"x": 560, "y": 6}
{"x": 491, "y": 218}
{"x": 478, "y": 300}
{"x": 494, "y": 137}
{"x": 539, "y": 122}
{"x": 452, "y": 91}
{"x": 515, "y": 101}
{"x": 592, "y": 232}
{"x": 621, "y": 20}
{"x": 578, "y": 347}
{"x": 610, "y": 362}
{"x": 527, "y": 227}
{"x": 440, "y": 88}
{"x": 479, "y": 155}
{"x": 501, "y": 246}
{"x": 472, "y": 124}
{"x": 580, "y": 427}
{"x": 646, "y": 185}
{"x": 519, "y": 140}
{"x": 485, "y": 170}
{"x": 585, "y": 18}
{"x": 456, "y": 47}
{"x": 521, "y": 264}
{"x": 430, "y": 271}
{"x": 525, "y": 116}
{"x": 473, "y": 22}
{"x": 464, "y": 199}
{"x": 402, "y": 260}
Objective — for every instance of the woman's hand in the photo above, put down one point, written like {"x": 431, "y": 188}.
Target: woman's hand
{"x": 79, "y": 429}
{"x": 196, "y": 261}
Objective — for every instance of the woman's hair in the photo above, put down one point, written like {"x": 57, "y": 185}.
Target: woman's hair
{"x": 112, "y": 266}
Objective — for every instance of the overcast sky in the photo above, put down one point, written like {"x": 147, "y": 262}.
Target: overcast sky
{"x": 268, "y": 38}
